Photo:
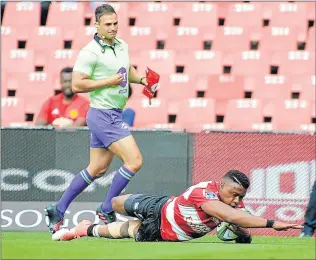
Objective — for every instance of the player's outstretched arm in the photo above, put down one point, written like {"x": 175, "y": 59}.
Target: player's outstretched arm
{"x": 228, "y": 214}
{"x": 81, "y": 82}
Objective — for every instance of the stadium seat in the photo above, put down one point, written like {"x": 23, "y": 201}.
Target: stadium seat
{"x": 18, "y": 60}
{"x": 231, "y": 39}
{"x": 245, "y": 15}
{"x": 251, "y": 63}
{"x": 176, "y": 87}
{"x": 66, "y": 15}
{"x": 139, "y": 38}
{"x": 12, "y": 111}
{"x": 59, "y": 59}
{"x": 296, "y": 62}
{"x": 161, "y": 61}
{"x": 274, "y": 39}
{"x": 196, "y": 114}
{"x": 200, "y": 62}
{"x": 224, "y": 87}
{"x": 32, "y": 86}
{"x": 152, "y": 14}
{"x": 147, "y": 115}
{"x": 289, "y": 115}
{"x": 193, "y": 37}
{"x": 201, "y": 15}
{"x": 305, "y": 85}
{"x": 243, "y": 114}
{"x": 270, "y": 87}
{"x": 82, "y": 36}
{"x": 310, "y": 44}
{"x": 45, "y": 38}
{"x": 22, "y": 15}
{"x": 287, "y": 14}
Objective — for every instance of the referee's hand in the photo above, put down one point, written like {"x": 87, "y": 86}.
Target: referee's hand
{"x": 115, "y": 79}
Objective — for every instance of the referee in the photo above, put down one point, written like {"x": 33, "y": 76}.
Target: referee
{"x": 103, "y": 69}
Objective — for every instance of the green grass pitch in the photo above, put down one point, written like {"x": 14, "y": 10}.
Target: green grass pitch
{"x": 36, "y": 245}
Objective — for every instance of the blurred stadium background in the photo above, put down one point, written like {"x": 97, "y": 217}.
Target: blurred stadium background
{"x": 237, "y": 90}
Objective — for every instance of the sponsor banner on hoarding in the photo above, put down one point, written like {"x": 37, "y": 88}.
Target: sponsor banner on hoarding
{"x": 39, "y": 165}
{"x": 281, "y": 169}
{"x": 30, "y": 216}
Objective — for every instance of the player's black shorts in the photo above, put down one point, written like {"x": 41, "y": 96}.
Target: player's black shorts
{"x": 147, "y": 208}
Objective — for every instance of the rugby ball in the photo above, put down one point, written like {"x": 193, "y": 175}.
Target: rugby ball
{"x": 230, "y": 232}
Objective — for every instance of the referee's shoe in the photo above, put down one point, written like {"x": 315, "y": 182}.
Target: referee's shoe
{"x": 55, "y": 221}
{"x": 107, "y": 218}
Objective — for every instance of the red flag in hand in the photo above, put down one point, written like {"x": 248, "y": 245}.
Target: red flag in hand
{"x": 152, "y": 80}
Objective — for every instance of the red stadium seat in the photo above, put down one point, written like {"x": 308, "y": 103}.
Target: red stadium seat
{"x": 18, "y": 60}
{"x": 66, "y": 15}
{"x": 177, "y": 87}
{"x": 243, "y": 114}
{"x": 231, "y": 39}
{"x": 45, "y": 38}
{"x": 161, "y": 61}
{"x": 296, "y": 62}
{"x": 200, "y": 62}
{"x": 82, "y": 36}
{"x": 140, "y": 38}
{"x": 245, "y": 15}
{"x": 152, "y": 14}
{"x": 12, "y": 111}
{"x": 276, "y": 39}
{"x": 193, "y": 37}
{"x": 22, "y": 15}
{"x": 311, "y": 39}
{"x": 289, "y": 115}
{"x": 305, "y": 85}
{"x": 222, "y": 87}
{"x": 272, "y": 87}
{"x": 251, "y": 63}
{"x": 148, "y": 115}
{"x": 287, "y": 14}
{"x": 31, "y": 85}
{"x": 202, "y": 15}
{"x": 195, "y": 114}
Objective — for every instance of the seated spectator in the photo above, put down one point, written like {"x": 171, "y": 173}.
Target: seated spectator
{"x": 66, "y": 109}
{"x": 129, "y": 113}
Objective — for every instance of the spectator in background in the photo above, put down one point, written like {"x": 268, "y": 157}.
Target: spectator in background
{"x": 129, "y": 113}
{"x": 66, "y": 109}
{"x": 310, "y": 216}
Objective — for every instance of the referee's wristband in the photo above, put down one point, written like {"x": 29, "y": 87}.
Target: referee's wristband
{"x": 270, "y": 223}
{"x": 140, "y": 82}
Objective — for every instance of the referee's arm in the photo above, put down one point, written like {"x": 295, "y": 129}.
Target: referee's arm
{"x": 133, "y": 77}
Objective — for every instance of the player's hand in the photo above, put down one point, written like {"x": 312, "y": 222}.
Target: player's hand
{"x": 116, "y": 79}
{"x": 279, "y": 226}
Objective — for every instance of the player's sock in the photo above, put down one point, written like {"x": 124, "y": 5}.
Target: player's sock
{"x": 93, "y": 230}
{"x": 120, "y": 181}
{"x": 81, "y": 181}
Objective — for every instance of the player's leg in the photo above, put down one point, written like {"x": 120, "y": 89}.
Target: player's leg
{"x": 115, "y": 230}
{"x": 127, "y": 150}
{"x": 100, "y": 160}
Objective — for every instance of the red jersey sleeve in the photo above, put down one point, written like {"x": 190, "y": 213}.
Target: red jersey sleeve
{"x": 44, "y": 112}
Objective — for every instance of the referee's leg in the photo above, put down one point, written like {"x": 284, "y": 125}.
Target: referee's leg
{"x": 127, "y": 150}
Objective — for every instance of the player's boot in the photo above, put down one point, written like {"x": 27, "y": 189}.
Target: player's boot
{"x": 81, "y": 230}
{"x": 107, "y": 218}
{"x": 54, "y": 219}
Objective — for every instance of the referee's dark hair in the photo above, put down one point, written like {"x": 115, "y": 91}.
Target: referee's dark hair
{"x": 238, "y": 177}
{"x": 103, "y": 9}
